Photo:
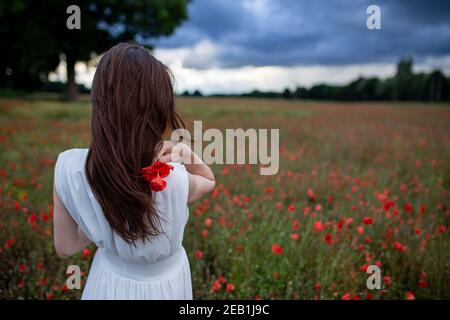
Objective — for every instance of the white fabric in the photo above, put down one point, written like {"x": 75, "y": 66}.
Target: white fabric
{"x": 149, "y": 270}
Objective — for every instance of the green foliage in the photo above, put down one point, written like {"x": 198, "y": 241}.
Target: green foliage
{"x": 404, "y": 86}
{"x": 34, "y": 33}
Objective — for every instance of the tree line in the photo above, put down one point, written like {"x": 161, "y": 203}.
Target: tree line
{"x": 405, "y": 85}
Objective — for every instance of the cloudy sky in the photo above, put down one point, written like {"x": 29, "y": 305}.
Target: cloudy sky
{"x": 240, "y": 45}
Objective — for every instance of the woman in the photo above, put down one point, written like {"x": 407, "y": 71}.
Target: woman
{"x": 116, "y": 195}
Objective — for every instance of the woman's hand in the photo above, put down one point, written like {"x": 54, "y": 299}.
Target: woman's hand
{"x": 201, "y": 178}
{"x": 176, "y": 152}
{"x": 165, "y": 154}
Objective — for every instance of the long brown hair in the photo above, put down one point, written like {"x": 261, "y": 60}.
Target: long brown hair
{"x": 133, "y": 106}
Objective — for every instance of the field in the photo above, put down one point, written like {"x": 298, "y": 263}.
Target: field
{"x": 359, "y": 184}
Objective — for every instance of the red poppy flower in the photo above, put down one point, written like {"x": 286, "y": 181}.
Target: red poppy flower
{"x": 230, "y": 287}
{"x": 400, "y": 247}
{"x": 311, "y": 194}
{"x": 388, "y": 204}
{"x": 276, "y": 249}
{"x": 216, "y": 286}
{"x": 158, "y": 168}
{"x": 44, "y": 217}
{"x": 208, "y": 222}
{"x": 162, "y": 168}
{"x": 32, "y": 218}
{"x": 269, "y": 190}
{"x": 158, "y": 184}
{"x": 408, "y": 207}
{"x": 422, "y": 283}
{"x": 306, "y": 211}
{"x": 155, "y": 173}
{"x": 422, "y": 209}
{"x": 346, "y": 296}
{"x": 10, "y": 242}
{"x": 86, "y": 253}
{"x": 410, "y": 296}
{"x": 318, "y": 226}
{"x": 329, "y": 239}
{"x": 360, "y": 229}
{"x": 367, "y": 220}
{"x": 198, "y": 254}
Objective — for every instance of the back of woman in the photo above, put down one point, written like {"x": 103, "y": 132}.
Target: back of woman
{"x": 124, "y": 193}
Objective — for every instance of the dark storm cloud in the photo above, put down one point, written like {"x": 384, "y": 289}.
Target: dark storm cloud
{"x": 295, "y": 32}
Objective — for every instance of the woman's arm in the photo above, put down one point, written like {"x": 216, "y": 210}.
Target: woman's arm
{"x": 68, "y": 237}
{"x": 199, "y": 186}
{"x": 201, "y": 177}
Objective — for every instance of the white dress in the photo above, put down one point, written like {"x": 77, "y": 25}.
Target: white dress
{"x": 150, "y": 270}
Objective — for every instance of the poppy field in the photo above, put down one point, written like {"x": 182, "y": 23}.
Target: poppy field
{"x": 359, "y": 184}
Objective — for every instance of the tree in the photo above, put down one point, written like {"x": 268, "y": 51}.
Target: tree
{"x": 38, "y": 34}
{"x": 301, "y": 93}
{"x": 27, "y": 53}
{"x": 404, "y": 79}
{"x": 197, "y": 93}
{"x": 437, "y": 86}
{"x": 287, "y": 94}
